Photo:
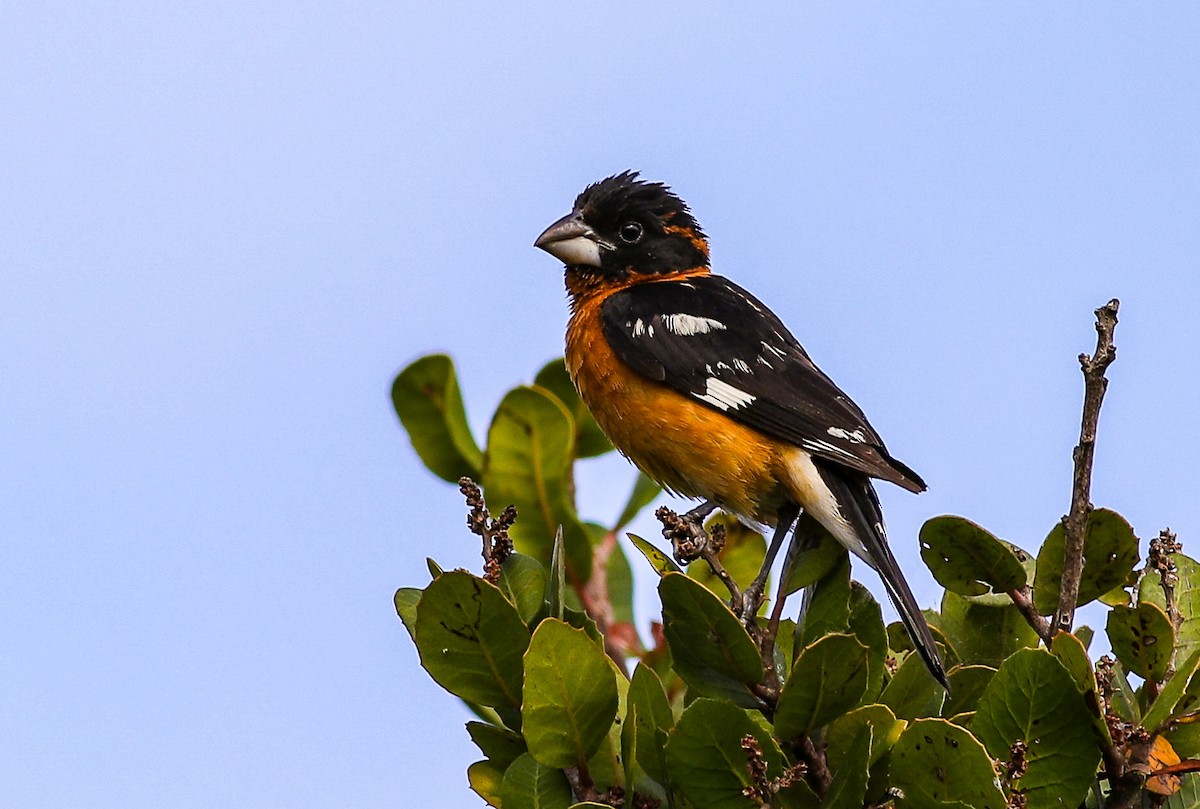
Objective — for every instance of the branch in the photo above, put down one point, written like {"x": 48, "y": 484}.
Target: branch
{"x": 1075, "y": 523}
{"x": 1024, "y": 602}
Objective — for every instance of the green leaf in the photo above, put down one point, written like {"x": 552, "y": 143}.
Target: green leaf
{"x": 1171, "y": 694}
{"x": 842, "y": 732}
{"x": 523, "y": 582}
{"x": 605, "y": 764}
{"x": 570, "y": 695}
{"x": 435, "y": 569}
{"x": 866, "y": 624}
{"x": 1110, "y": 552}
{"x": 661, "y": 562}
{"x": 643, "y": 494}
{"x": 967, "y": 684}
{"x": 826, "y": 605}
{"x": 983, "y": 635}
{"x": 712, "y": 651}
{"x": 1033, "y": 698}
{"x": 501, "y": 746}
{"x": 589, "y": 439}
{"x": 1187, "y": 602}
{"x": 406, "y": 607}
{"x": 812, "y": 554}
{"x": 968, "y": 560}
{"x": 705, "y": 759}
{"x": 937, "y": 765}
{"x": 912, "y": 692}
{"x": 529, "y": 784}
{"x": 428, "y": 402}
{"x": 1124, "y": 699}
{"x": 528, "y": 463}
{"x": 741, "y": 556}
{"x": 556, "y": 591}
{"x": 848, "y": 789}
{"x": 1142, "y": 639}
{"x": 1188, "y": 796}
{"x": 652, "y": 722}
{"x": 471, "y": 639}
{"x": 485, "y": 779}
{"x": 828, "y": 679}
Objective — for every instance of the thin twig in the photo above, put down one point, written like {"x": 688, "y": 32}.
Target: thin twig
{"x": 1024, "y": 602}
{"x": 689, "y": 542}
{"x": 1075, "y": 523}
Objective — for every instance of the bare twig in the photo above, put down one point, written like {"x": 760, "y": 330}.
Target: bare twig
{"x": 620, "y": 639}
{"x": 689, "y": 542}
{"x": 1024, "y": 602}
{"x": 1075, "y": 523}
{"x": 494, "y": 532}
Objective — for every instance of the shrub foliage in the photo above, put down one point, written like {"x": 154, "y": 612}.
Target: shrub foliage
{"x": 829, "y": 710}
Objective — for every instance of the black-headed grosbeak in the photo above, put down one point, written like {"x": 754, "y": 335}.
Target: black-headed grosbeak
{"x": 702, "y": 386}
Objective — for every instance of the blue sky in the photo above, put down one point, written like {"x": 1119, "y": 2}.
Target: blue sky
{"x": 226, "y": 225}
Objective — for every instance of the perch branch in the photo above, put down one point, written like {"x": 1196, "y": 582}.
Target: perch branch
{"x": 1075, "y": 523}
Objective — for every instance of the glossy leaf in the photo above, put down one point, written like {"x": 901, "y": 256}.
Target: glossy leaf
{"x": 485, "y": 780}
{"x": 912, "y": 692}
{"x": 1142, "y": 639}
{"x": 406, "y": 607}
{"x": 1164, "y": 705}
{"x": 841, "y": 733}
{"x": 938, "y": 765}
{"x": 1033, "y": 698}
{"x": 866, "y": 624}
{"x": 529, "y": 784}
{"x": 968, "y": 560}
{"x": 1187, "y": 602}
{"x": 826, "y": 605}
{"x": 983, "y": 635}
{"x": 605, "y": 764}
{"x": 528, "y": 463}
{"x": 848, "y": 789}
{"x": 705, "y": 759}
{"x": 428, "y": 402}
{"x": 523, "y": 582}
{"x": 501, "y": 746}
{"x": 570, "y": 695}
{"x": 471, "y": 639}
{"x": 589, "y": 439}
{"x": 967, "y": 684}
{"x": 660, "y": 561}
{"x": 712, "y": 651}
{"x": 1110, "y": 552}
{"x": 828, "y": 679}
{"x": 653, "y": 721}
{"x": 811, "y": 555}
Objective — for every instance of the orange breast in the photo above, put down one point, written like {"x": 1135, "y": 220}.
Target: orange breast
{"x": 685, "y": 446}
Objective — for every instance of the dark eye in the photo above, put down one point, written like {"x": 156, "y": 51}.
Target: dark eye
{"x": 631, "y": 232}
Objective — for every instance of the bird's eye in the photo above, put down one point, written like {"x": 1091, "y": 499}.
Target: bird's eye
{"x": 631, "y": 232}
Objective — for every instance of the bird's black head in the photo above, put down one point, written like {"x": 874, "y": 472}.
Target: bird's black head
{"x": 625, "y": 226}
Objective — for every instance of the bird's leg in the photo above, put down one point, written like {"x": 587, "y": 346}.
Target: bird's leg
{"x": 752, "y": 597}
{"x": 701, "y": 512}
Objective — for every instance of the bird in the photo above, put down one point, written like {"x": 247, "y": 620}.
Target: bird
{"x": 704, "y": 389}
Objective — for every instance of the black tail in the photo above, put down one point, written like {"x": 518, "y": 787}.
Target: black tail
{"x": 860, "y": 506}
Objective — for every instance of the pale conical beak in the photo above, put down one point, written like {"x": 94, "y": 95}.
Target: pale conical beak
{"x": 571, "y": 241}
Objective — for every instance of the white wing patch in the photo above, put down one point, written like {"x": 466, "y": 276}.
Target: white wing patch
{"x": 723, "y": 396}
{"x": 688, "y": 325}
{"x": 825, "y": 448}
{"x": 846, "y": 435}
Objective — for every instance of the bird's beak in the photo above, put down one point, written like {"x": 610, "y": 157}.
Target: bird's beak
{"x": 571, "y": 241}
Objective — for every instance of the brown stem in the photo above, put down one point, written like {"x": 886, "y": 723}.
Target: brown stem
{"x": 1075, "y": 523}
{"x": 819, "y": 776}
{"x": 582, "y": 784}
{"x": 1024, "y": 602}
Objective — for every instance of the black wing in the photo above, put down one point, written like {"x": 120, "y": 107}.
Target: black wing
{"x": 709, "y": 339}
